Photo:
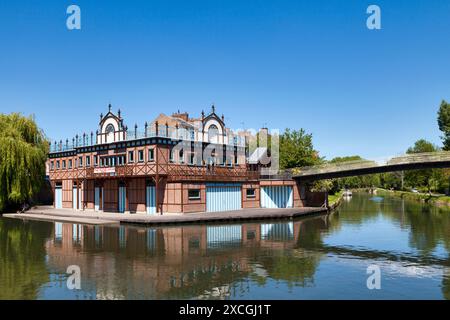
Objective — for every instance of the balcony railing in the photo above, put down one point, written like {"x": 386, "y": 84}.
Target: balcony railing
{"x": 163, "y": 132}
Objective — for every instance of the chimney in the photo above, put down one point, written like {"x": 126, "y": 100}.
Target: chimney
{"x": 183, "y": 116}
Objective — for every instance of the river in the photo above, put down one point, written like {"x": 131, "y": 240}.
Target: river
{"x": 321, "y": 257}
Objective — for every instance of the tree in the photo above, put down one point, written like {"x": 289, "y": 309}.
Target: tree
{"x": 365, "y": 181}
{"x": 23, "y": 152}
{"x": 444, "y": 123}
{"x": 296, "y": 149}
{"x": 422, "y": 178}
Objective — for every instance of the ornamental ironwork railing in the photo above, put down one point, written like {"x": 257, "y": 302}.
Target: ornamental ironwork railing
{"x": 162, "y": 131}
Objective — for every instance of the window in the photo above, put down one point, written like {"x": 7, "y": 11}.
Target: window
{"x": 88, "y": 161}
{"x": 57, "y": 164}
{"x": 151, "y": 154}
{"x": 130, "y": 156}
{"x": 194, "y": 194}
{"x": 70, "y": 163}
{"x": 80, "y": 161}
{"x": 213, "y": 133}
{"x": 181, "y": 156}
{"x": 95, "y": 160}
{"x": 191, "y": 158}
{"x": 52, "y": 165}
{"x": 109, "y": 128}
{"x": 171, "y": 156}
{"x": 121, "y": 160}
{"x": 141, "y": 155}
{"x": 251, "y": 193}
{"x": 64, "y": 164}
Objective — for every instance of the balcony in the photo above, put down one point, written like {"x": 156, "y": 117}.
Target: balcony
{"x": 163, "y": 132}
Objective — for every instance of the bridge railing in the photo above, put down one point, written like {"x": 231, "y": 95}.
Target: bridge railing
{"x": 331, "y": 167}
{"x": 439, "y": 156}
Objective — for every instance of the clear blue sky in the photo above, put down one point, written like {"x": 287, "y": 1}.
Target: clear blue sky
{"x": 297, "y": 64}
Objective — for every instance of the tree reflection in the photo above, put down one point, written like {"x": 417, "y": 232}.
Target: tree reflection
{"x": 22, "y": 258}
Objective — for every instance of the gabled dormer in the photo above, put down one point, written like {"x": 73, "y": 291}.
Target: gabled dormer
{"x": 111, "y": 128}
{"x": 213, "y": 127}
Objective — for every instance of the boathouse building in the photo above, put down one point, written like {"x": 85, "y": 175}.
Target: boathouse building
{"x": 175, "y": 164}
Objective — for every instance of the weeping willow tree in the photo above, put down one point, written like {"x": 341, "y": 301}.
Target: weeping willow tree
{"x": 23, "y": 152}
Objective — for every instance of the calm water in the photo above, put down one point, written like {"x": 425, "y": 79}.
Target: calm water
{"x": 314, "y": 258}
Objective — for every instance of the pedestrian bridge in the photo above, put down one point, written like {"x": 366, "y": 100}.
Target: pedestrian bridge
{"x": 363, "y": 167}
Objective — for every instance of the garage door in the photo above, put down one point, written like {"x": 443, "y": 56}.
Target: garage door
{"x": 276, "y": 197}
{"x": 58, "y": 196}
{"x": 223, "y": 197}
{"x": 151, "y": 199}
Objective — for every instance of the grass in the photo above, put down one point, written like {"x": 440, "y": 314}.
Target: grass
{"x": 422, "y": 197}
{"x": 332, "y": 198}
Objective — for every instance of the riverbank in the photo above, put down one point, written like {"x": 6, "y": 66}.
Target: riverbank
{"x": 47, "y": 213}
{"x": 437, "y": 200}
{"x": 334, "y": 200}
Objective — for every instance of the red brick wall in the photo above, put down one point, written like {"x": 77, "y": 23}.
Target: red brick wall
{"x": 250, "y": 202}
{"x": 136, "y": 189}
{"x": 111, "y": 194}
{"x": 194, "y": 205}
{"x": 172, "y": 198}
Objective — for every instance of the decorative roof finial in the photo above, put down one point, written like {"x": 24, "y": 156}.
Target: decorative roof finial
{"x": 223, "y": 118}
{"x": 213, "y": 108}
{"x": 109, "y": 107}
{"x": 118, "y": 112}
{"x": 203, "y": 114}
{"x": 101, "y": 116}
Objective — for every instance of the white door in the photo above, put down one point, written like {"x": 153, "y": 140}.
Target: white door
{"x": 277, "y": 197}
{"x": 74, "y": 197}
{"x": 97, "y": 198}
{"x": 223, "y": 197}
{"x": 151, "y": 199}
{"x": 122, "y": 192}
{"x": 58, "y": 197}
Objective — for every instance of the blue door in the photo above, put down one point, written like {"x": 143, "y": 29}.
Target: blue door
{"x": 151, "y": 199}
{"x": 223, "y": 197}
{"x": 277, "y": 197}
{"x": 122, "y": 192}
{"x": 58, "y": 197}
{"x": 97, "y": 193}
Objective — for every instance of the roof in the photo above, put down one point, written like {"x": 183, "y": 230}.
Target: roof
{"x": 259, "y": 154}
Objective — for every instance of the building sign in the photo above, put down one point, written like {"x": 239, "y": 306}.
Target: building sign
{"x": 104, "y": 170}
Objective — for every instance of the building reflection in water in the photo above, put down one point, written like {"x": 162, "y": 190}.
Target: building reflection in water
{"x": 209, "y": 261}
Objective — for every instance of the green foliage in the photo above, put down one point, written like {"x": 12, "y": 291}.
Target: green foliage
{"x": 23, "y": 152}
{"x": 356, "y": 182}
{"x": 391, "y": 180}
{"x": 23, "y": 270}
{"x": 322, "y": 185}
{"x": 444, "y": 123}
{"x": 421, "y": 146}
{"x": 296, "y": 149}
{"x": 429, "y": 178}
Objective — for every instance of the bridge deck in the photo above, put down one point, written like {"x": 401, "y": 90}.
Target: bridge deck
{"x": 362, "y": 167}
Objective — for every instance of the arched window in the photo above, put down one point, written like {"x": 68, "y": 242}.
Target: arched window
{"x": 109, "y": 128}
{"x": 213, "y": 133}
{"x": 109, "y": 133}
